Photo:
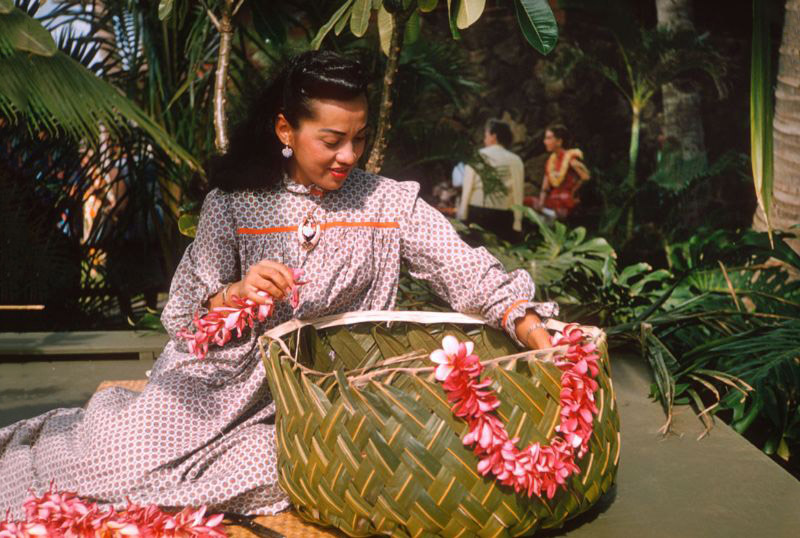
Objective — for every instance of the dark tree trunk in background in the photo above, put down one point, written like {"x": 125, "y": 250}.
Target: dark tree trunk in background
{"x": 682, "y": 106}
{"x": 376, "y": 156}
{"x": 785, "y": 207}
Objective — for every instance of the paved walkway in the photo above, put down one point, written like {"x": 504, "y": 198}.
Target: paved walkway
{"x": 31, "y": 388}
{"x": 676, "y": 486}
{"x": 667, "y": 487}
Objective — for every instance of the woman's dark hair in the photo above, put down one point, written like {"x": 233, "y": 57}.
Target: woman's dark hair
{"x": 254, "y": 156}
{"x": 560, "y": 131}
{"x": 501, "y": 130}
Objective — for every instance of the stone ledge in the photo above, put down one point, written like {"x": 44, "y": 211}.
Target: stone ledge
{"x": 147, "y": 344}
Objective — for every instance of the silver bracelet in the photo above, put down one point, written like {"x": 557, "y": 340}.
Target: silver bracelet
{"x": 225, "y": 294}
{"x": 536, "y": 325}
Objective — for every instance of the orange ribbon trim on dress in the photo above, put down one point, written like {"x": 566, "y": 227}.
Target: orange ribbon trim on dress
{"x": 510, "y": 308}
{"x": 324, "y": 226}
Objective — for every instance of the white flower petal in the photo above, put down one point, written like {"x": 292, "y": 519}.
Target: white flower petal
{"x": 439, "y": 357}
{"x": 442, "y": 371}
{"x": 450, "y": 345}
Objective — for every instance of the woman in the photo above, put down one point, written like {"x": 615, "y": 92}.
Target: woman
{"x": 202, "y": 432}
{"x": 564, "y": 174}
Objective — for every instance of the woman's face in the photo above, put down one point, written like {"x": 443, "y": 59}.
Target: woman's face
{"x": 327, "y": 145}
{"x": 551, "y": 142}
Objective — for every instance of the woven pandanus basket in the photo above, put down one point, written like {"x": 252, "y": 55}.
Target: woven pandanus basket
{"x": 368, "y": 442}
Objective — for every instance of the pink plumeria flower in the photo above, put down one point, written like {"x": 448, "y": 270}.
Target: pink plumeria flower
{"x": 446, "y": 357}
{"x": 219, "y": 325}
{"x": 557, "y": 337}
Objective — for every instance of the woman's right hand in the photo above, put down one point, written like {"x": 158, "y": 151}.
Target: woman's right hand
{"x": 272, "y": 277}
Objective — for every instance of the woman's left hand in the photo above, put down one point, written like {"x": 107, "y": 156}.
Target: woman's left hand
{"x": 531, "y": 333}
{"x": 539, "y": 339}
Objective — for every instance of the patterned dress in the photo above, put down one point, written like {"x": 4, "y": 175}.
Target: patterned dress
{"x": 202, "y": 432}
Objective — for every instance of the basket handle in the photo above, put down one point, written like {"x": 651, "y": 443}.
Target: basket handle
{"x": 278, "y": 332}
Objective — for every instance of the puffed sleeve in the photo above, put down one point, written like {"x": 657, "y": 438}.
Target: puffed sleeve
{"x": 470, "y": 279}
{"x": 210, "y": 262}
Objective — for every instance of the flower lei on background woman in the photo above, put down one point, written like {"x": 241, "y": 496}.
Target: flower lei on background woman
{"x": 218, "y": 326}
{"x": 65, "y": 515}
{"x": 557, "y": 165}
{"x": 538, "y": 468}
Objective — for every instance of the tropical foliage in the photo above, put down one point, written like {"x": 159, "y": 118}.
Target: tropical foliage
{"x": 398, "y": 24}
{"x": 717, "y": 327}
{"x": 112, "y": 180}
{"x": 52, "y": 91}
{"x": 647, "y": 62}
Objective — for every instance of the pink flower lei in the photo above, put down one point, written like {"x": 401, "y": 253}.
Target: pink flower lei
{"x": 218, "y": 326}
{"x": 65, "y": 515}
{"x": 538, "y": 468}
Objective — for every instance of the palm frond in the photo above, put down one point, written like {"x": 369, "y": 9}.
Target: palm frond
{"x": 59, "y": 95}
{"x": 762, "y": 111}
{"x": 21, "y": 33}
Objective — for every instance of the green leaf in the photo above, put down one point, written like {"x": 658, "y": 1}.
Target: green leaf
{"x": 385, "y": 29}
{"x": 359, "y": 19}
{"x": 538, "y": 24}
{"x": 420, "y": 340}
{"x": 388, "y": 344}
{"x": 783, "y": 450}
{"x": 187, "y": 224}
{"x": 452, "y": 12}
{"x": 426, "y": 6}
{"x": 6, "y": 6}
{"x": 148, "y": 322}
{"x": 344, "y": 390}
{"x": 342, "y": 24}
{"x": 348, "y": 351}
{"x": 469, "y": 11}
{"x": 412, "y": 29}
{"x": 26, "y": 34}
{"x": 761, "y": 110}
{"x": 663, "y": 364}
{"x": 33, "y": 87}
{"x": 164, "y": 9}
{"x": 323, "y": 31}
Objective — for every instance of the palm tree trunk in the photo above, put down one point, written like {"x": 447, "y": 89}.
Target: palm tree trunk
{"x": 682, "y": 106}
{"x": 225, "y": 28}
{"x": 375, "y": 161}
{"x": 785, "y": 206}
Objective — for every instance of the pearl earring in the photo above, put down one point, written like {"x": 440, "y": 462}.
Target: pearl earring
{"x": 287, "y": 151}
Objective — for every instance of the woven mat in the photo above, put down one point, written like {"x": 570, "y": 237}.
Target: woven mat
{"x": 288, "y": 523}
{"x": 136, "y": 385}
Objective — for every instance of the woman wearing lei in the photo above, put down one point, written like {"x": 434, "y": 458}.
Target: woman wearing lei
{"x": 287, "y": 200}
{"x": 564, "y": 174}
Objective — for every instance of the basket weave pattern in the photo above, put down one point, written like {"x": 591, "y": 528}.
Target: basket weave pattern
{"x": 368, "y": 442}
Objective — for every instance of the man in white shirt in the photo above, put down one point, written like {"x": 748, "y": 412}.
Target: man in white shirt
{"x": 490, "y": 205}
